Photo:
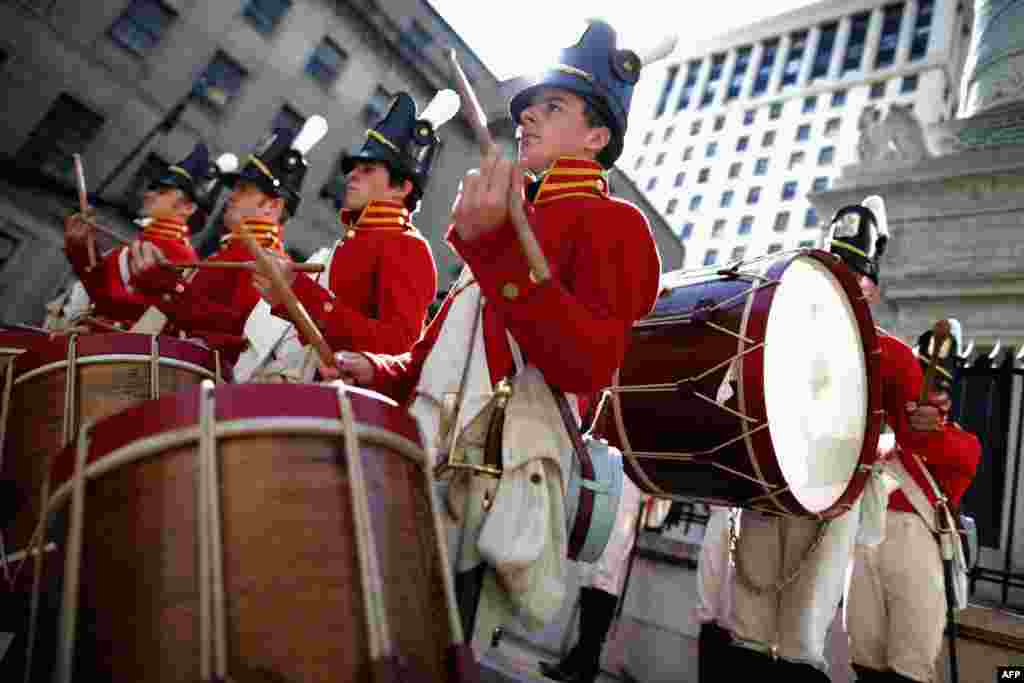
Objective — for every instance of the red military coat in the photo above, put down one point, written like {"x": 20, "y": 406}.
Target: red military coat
{"x": 382, "y": 280}
{"x": 115, "y": 300}
{"x": 951, "y": 455}
{"x": 215, "y": 304}
{"x": 574, "y": 327}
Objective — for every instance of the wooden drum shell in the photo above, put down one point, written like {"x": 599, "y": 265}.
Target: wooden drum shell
{"x": 294, "y": 601}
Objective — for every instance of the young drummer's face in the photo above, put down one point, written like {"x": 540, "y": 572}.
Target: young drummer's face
{"x": 165, "y": 202}
{"x": 248, "y": 201}
{"x": 369, "y": 180}
{"x": 553, "y": 126}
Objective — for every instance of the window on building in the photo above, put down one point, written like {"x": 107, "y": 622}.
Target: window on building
{"x": 67, "y": 129}
{"x": 803, "y": 132}
{"x": 761, "y": 166}
{"x": 892, "y": 16}
{"x": 648, "y": 137}
{"x": 711, "y": 150}
{"x": 742, "y": 142}
{"x": 719, "y": 122}
{"x": 377, "y": 106}
{"x": 823, "y": 54}
{"x": 908, "y": 84}
{"x": 774, "y": 247}
{"x": 704, "y": 174}
{"x": 326, "y": 63}
{"x": 795, "y": 159}
{"x": 686, "y": 94}
{"x": 739, "y": 72}
{"x": 738, "y": 253}
{"x": 726, "y": 200}
{"x": 670, "y": 80}
{"x": 794, "y": 59}
{"x": 810, "y": 104}
{"x": 287, "y": 117}
{"x": 141, "y": 26}
{"x": 417, "y": 37}
{"x": 668, "y": 133}
{"x": 687, "y": 231}
{"x": 811, "y": 217}
{"x": 660, "y": 159}
{"x": 734, "y": 169}
{"x": 769, "y": 53}
{"x": 820, "y": 184}
{"x": 651, "y": 183}
{"x": 807, "y": 244}
{"x": 265, "y": 15}
{"x": 775, "y": 111}
{"x": 223, "y": 77}
{"x": 748, "y": 117}
{"x": 714, "y": 79}
{"x": 687, "y": 153}
{"x": 781, "y": 221}
{"x": 768, "y": 139}
{"x": 718, "y": 229}
{"x": 838, "y": 98}
{"x": 746, "y": 226}
{"x": 710, "y": 257}
{"x": 922, "y": 29}
{"x": 695, "y": 127}
{"x": 832, "y": 127}
{"x": 855, "y": 43}
{"x": 826, "y": 155}
{"x": 788, "y": 190}
{"x": 680, "y": 178}
{"x": 639, "y": 163}
{"x": 671, "y": 207}
{"x": 753, "y": 195}
{"x": 877, "y": 90}
{"x": 695, "y": 201}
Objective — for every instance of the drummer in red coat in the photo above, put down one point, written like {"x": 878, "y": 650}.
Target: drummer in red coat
{"x": 214, "y": 304}
{"x": 117, "y": 284}
{"x": 380, "y": 275}
{"x": 573, "y": 327}
{"x": 779, "y": 620}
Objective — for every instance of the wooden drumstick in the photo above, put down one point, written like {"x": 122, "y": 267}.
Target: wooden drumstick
{"x": 478, "y": 121}
{"x": 83, "y": 205}
{"x": 242, "y": 265}
{"x": 296, "y": 311}
{"x": 939, "y": 334}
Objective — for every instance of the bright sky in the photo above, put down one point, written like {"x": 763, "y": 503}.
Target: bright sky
{"x": 515, "y": 38}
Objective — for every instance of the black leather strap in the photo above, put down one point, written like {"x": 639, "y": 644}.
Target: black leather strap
{"x": 585, "y": 507}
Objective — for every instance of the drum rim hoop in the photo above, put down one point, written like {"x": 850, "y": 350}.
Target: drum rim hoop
{"x": 107, "y": 359}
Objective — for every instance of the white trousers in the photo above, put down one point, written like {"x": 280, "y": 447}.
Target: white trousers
{"x": 714, "y": 573}
{"x": 896, "y": 610}
{"x": 609, "y": 572}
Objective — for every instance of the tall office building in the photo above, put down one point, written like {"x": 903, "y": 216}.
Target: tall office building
{"x": 730, "y": 137}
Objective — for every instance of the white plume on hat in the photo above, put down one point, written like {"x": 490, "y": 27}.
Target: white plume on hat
{"x": 956, "y": 332}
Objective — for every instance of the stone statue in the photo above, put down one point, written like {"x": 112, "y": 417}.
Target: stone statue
{"x": 898, "y": 137}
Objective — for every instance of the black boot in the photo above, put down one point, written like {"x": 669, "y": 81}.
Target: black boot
{"x": 866, "y": 675}
{"x": 583, "y": 663}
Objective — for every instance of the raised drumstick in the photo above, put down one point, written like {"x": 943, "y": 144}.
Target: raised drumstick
{"x": 242, "y": 265}
{"x": 83, "y": 204}
{"x": 478, "y": 121}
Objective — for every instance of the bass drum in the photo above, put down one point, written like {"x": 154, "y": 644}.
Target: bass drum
{"x": 757, "y": 386}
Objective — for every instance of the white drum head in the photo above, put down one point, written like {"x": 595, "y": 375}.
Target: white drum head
{"x": 815, "y": 384}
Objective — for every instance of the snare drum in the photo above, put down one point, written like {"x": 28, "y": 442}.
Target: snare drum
{"x": 13, "y": 342}
{"x": 758, "y": 387}
{"x": 242, "y": 533}
{"x": 61, "y": 382}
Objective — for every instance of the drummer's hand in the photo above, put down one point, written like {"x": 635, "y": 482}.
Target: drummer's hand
{"x": 80, "y": 235}
{"x": 931, "y": 416}
{"x": 482, "y": 205}
{"x": 353, "y": 368}
{"x": 262, "y": 282}
{"x": 143, "y": 256}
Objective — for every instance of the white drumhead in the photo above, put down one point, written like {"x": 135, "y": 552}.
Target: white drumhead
{"x": 815, "y": 384}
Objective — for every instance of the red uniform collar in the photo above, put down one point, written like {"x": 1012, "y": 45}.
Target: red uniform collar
{"x": 571, "y": 177}
{"x": 165, "y": 229}
{"x": 269, "y": 235}
{"x": 377, "y": 215}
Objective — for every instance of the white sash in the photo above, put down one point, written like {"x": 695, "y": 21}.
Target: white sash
{"x": 270, "y": 336}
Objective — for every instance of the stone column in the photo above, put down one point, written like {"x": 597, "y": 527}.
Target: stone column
{"x": 810, "y": 48}
{"x": 867, "y": 63}
{"x": 906, "y": 32}
{"x": 835, "y": 65}
{"x": 996, "y": 77}
{"x": 780, "y": 64}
